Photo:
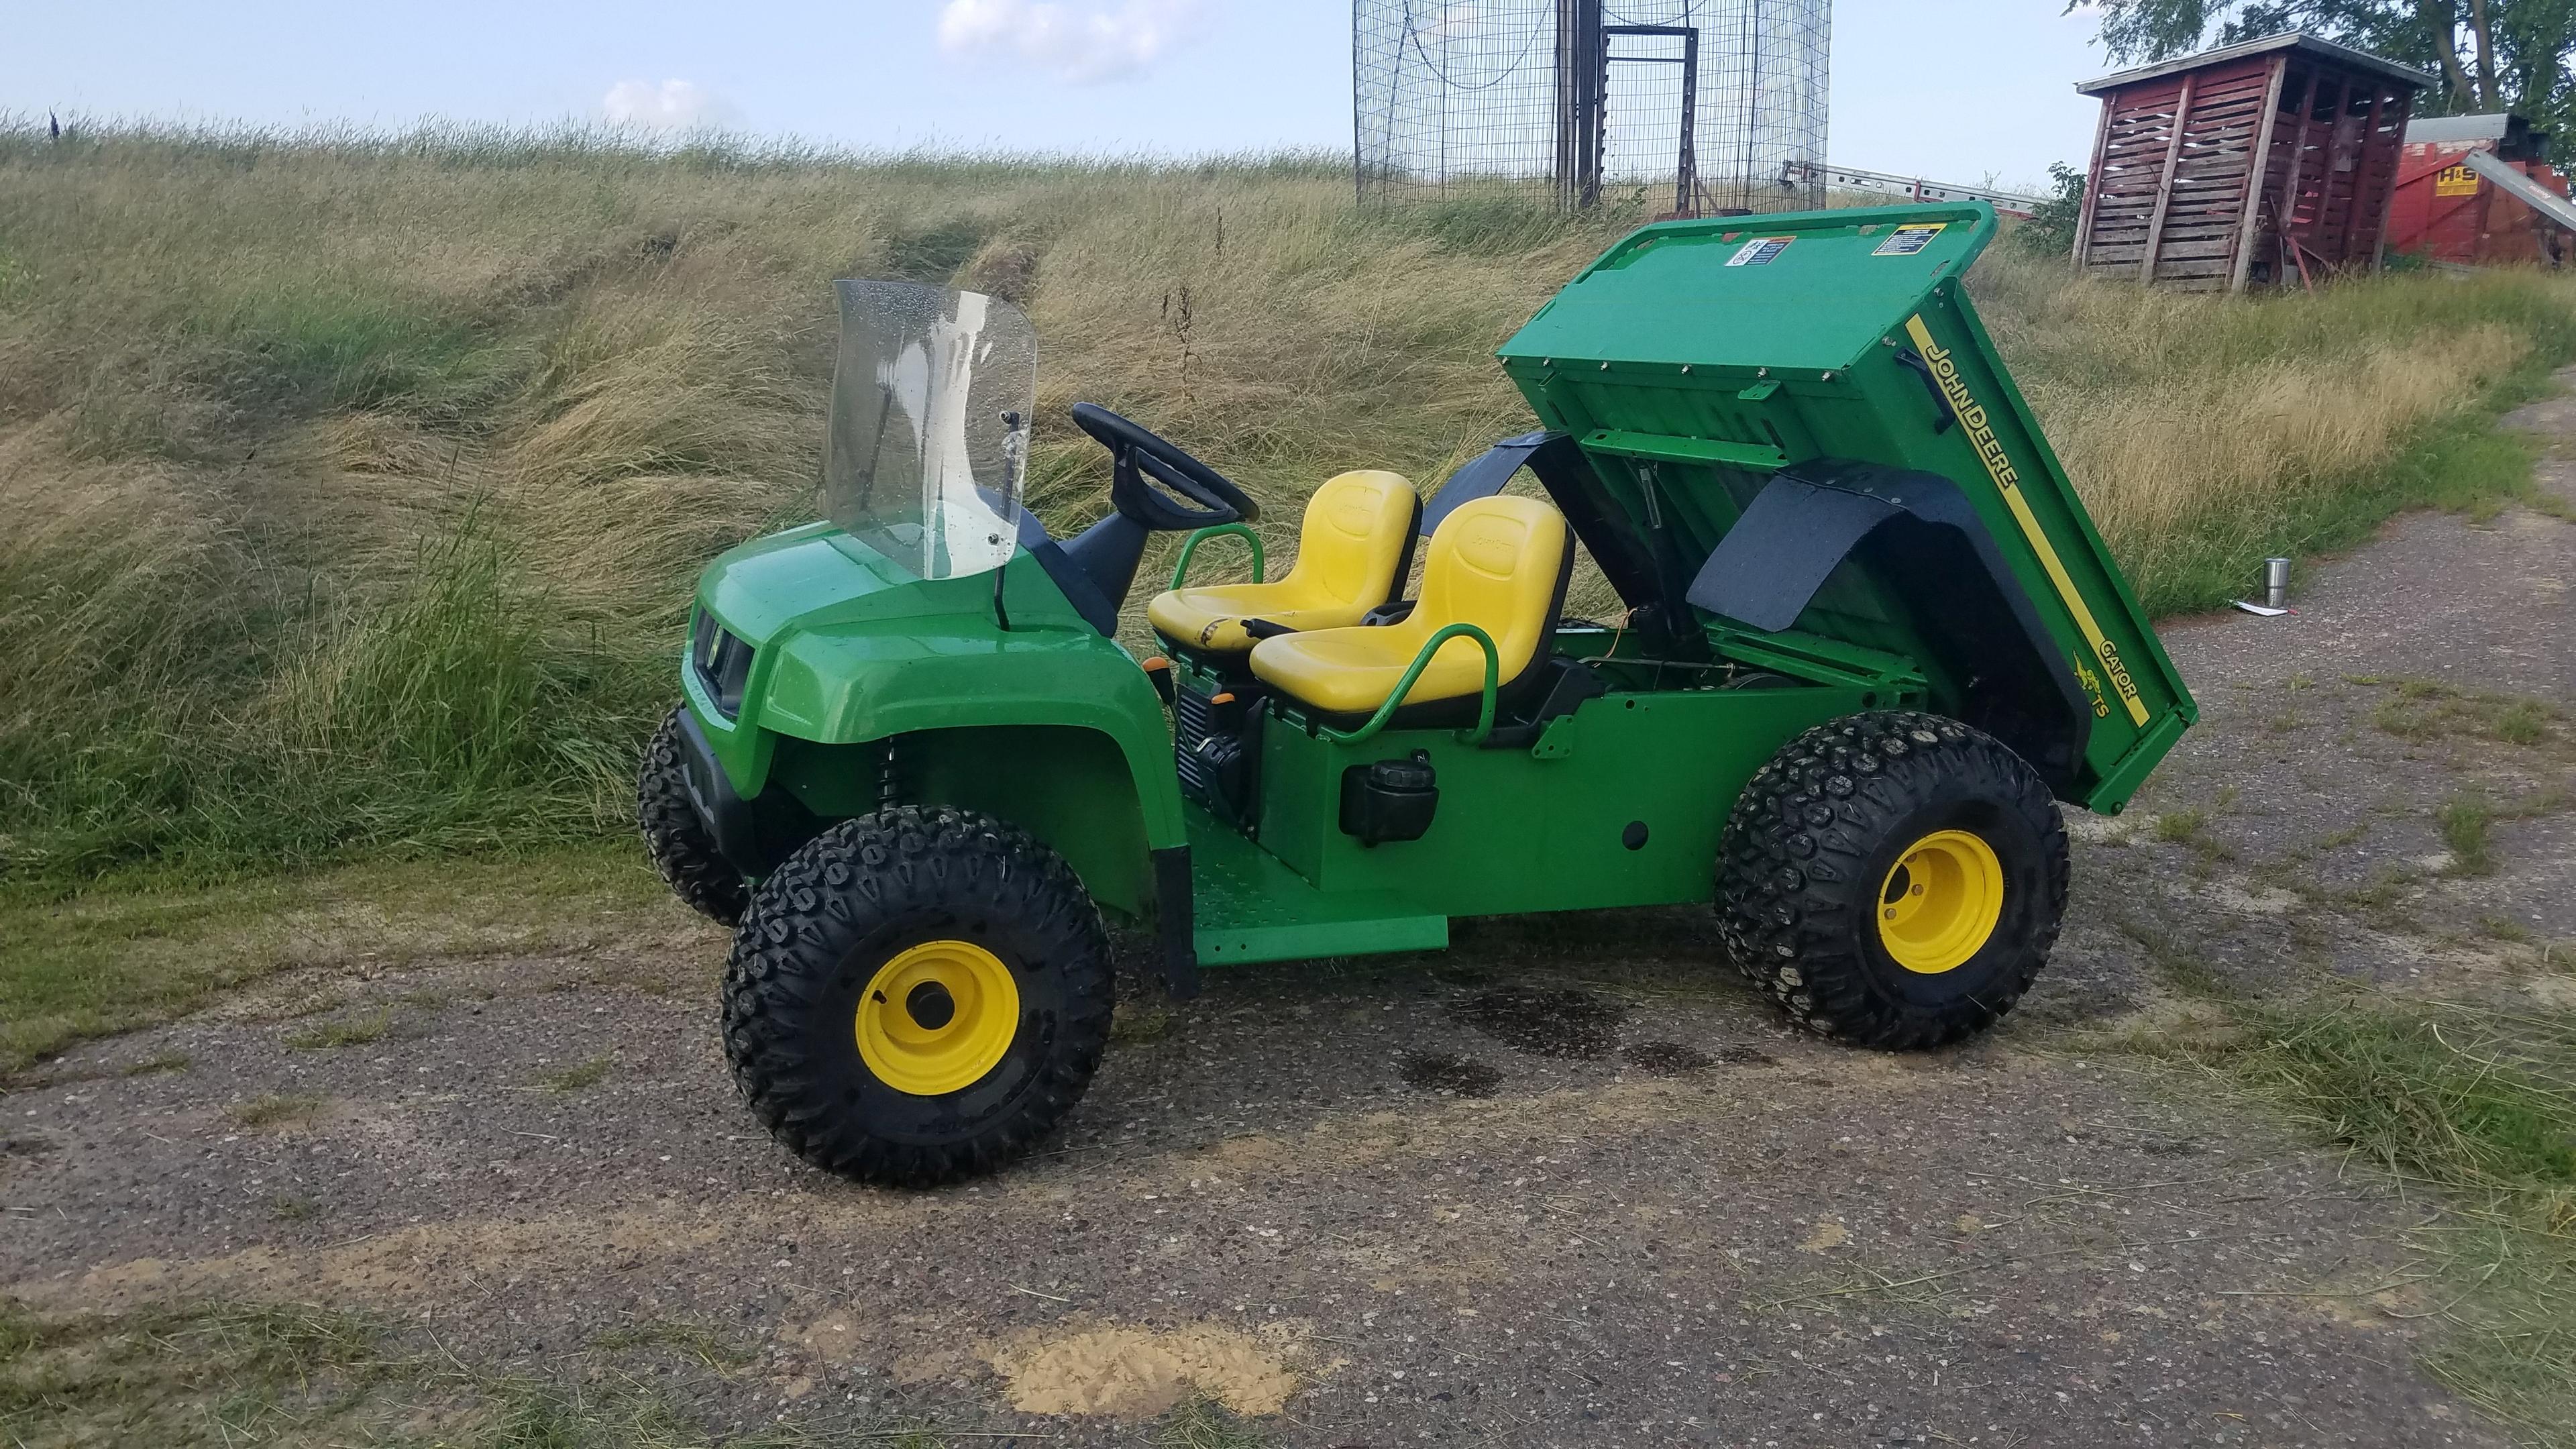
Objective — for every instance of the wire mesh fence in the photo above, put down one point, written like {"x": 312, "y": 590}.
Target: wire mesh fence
{"x": 1686, "y": 106}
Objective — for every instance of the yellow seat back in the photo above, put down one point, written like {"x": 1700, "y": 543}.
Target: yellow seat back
{"x": 1496, "y": 563}
{"x": 1354, "y": 534}
{"x": 1350, "y": 549}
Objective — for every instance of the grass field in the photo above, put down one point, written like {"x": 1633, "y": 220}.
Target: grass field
{"x": 356, "y": 484}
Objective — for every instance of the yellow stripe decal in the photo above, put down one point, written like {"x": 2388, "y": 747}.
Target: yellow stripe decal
{"x": 2008, "y": 482}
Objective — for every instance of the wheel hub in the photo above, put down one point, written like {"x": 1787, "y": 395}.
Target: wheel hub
{"x": 1940, "y": 901}
{"x": 937, "y": 1017}
{"x": 931, "y": 1005}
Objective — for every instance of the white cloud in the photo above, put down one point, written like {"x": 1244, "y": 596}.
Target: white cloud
{"x": 673, "y": 105}
{"x": 1082, "y": 44}
{"x": 1449, "y": 22}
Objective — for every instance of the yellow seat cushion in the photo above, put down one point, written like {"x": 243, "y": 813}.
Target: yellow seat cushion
{"x": 1348, "y": 549}
{"x": 1494, "y": 563}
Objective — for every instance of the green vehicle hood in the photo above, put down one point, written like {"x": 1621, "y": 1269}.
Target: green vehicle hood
{"x": 848, "y": 647}
{"x": 803, "y": 578}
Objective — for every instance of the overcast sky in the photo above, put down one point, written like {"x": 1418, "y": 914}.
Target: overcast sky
{"x": 1953, "y": 89}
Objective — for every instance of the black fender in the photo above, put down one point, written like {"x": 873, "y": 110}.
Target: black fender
{"x": 1628, "y": 559}
{"x": 1485, "y": 475}
{"x": 1920, "y": 539}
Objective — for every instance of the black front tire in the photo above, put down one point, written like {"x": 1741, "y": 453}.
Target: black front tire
{"x": 850, "y": 905}
{"x": 1817, "y": 837}
{"x": 676, "y": 839}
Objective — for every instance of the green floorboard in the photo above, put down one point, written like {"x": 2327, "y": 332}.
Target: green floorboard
{"x": 1252, "y": 908}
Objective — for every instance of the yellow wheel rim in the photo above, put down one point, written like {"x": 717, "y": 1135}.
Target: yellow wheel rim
{"x": 937, "y": 1017}
{"x": 1939, "y": 904}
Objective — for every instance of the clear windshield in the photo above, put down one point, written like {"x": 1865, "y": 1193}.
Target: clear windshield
{"x": 930, "y": 412}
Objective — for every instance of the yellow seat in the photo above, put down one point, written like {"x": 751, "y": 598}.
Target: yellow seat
{"x": 1350, "y": 554}
{"x": 1497, "y": 563}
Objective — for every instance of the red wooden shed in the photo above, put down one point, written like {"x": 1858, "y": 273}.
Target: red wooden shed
{"x": 2265, "y": 162}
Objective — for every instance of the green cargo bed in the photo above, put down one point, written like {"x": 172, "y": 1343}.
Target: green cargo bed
{"x": 1696, "y": 362}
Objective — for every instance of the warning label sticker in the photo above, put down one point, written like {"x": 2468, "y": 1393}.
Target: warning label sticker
{"x": 1759, "y": 251}
{"x": 1906, "y": 240}
{"x": 2455, "y": 181}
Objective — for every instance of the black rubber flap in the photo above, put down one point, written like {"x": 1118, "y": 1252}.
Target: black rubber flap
{"x": 1794, "y": 535}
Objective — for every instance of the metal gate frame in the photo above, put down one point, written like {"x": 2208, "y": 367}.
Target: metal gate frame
{"x": 1686, "y": 160}
{"x": 1583, "y": 62}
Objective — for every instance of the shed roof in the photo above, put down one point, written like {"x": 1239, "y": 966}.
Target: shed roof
{"x": 2298, "y": 40}
{"x": 2460, "y": 128}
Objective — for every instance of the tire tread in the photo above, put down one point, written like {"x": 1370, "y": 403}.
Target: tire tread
{"x": 680, "y": 847}
{"x": 1791, "y": 902}
{"x": 883, "y": 867}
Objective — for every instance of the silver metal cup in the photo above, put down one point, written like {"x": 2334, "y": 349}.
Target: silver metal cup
{"x": 2276, "y": 583}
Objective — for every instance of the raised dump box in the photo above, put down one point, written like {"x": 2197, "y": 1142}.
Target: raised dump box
{"x": 1836, "y": 453}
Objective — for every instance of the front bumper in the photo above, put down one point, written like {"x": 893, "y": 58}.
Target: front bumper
{"x": 753, "y": 835}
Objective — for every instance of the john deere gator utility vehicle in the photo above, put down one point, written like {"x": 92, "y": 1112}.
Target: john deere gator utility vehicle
{"x": 1868, "y": 641}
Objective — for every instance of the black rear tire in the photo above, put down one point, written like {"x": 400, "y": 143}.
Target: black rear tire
{"x": 828, "y": 934}
{"x": 676, "y": 839}
{"x": 1812, "y": 866}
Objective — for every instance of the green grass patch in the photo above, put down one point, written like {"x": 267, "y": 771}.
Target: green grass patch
{"x": 345, "y": 1032}
{"x": 275, "y": 1109}
{"x": 2483, "y": 1105}
{"x": 1135, "y": 1024}
{"x": 2177, "y": 827}
{"x": 2173, "y": 961}
{"x": 2523, "y": 722}
{"x": 223, "y": 1376}
{"x": 2497, "y": 928}
{"x": 935, "y": 252}
{"x": 446, "y": 716}
{"x": 2189, "y": 827}
{"x": 2427, "y": 710}
{"x": 2477, "y": 1104}
{"x": 577, "y": 1077}
{"x": 711, "y": 1349}
{"x": 330, "y": 347}
{"x": 17, "y": 278}
{"x": 145, "y": 946}
{"x": 2455, "y": 1096}
{"x": 2463, "y": 821}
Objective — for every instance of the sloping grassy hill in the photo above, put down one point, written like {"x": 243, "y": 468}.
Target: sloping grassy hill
{"x": 353, "y": 485}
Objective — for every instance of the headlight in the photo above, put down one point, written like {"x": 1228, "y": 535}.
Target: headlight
{"x": 723, "y": 662}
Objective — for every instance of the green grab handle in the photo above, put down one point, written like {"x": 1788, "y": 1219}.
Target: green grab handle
{"x": 1190, "y": 546}
{"x": 1413, "y": 671}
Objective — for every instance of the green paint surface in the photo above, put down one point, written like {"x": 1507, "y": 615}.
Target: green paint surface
{"x": 1544, "y": 828}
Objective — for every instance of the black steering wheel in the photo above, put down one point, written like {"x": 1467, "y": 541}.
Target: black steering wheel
{"x": 1143, "y": 459}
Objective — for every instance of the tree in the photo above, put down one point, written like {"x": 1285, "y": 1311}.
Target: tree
{"x": 2492, "y": 55}
{"x": 2051, "y": 229}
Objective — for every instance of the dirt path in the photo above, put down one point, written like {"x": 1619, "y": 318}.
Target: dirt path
{"x": 1431, "y": 1201}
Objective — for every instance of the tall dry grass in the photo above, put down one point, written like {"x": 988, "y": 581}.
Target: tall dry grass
{"x": 2205, "y": 431}
{"x": 355, "y": 483}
